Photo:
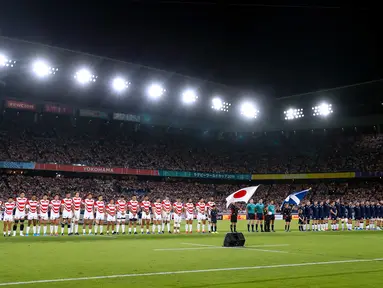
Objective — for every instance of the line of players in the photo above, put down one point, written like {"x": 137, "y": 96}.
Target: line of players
{"x": 367, "y": 215}
{"x": 67, "y": 211}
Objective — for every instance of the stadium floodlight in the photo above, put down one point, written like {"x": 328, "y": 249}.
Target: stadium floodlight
{"x": 323, "y": 109}
{"x": 220, "y": 105}
{"x": 84, "y": 76}
{"x": 155, "y": 91}
{"x": 292, "y": 113}
{"x": 119, "y": 84}
{"x": 5, "y": 62}
{"x": 249, "y": 110}
{"x": 189, "y": 96}
{"x": 43, "y": 69}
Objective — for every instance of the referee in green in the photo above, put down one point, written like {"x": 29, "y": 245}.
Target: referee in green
{"x": 250, "y": 215}
{"x": 271, "y": 213}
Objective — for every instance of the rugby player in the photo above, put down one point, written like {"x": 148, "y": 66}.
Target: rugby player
{"x": 43, "y": 215}
{"x": 178, "y": 208}
{"x": 110, "y": 216}
{"x": 259, "y": 209}
{"x": 145, "y": 208}
{"x": 250, "y": 208}
{"x": 32, "y": 217}
{"x": 88, "y": 214}
{"x": 133, "y": 216}
{"x": 67, "y": 213}
{"x": 21, "y": 203}
{"x": 121, "y": 214}
{"x": 55, "y": 215}
{"x": 189, "y": 216}
{"x": 9, "y": 207}
{"x": 210, "y": 205}
{"x": 100, "y": 215}
{"x": 77, "y": 201}
{"x": 201, "y": 215}
{"x": 166, "y": 216}
{"x": 157, "y": 216}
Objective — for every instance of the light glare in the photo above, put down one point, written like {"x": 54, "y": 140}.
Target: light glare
{"x": 323, "y": 109}
{"x": 189, "y": 97}
{"x": 155, "y": 91}
{"x": 84, "y": 76}
{"x": 119, "y": 84}
{"x": 42, "y": 69}
{"x": 248, "y": 110}
{"x": 292, "y": 113}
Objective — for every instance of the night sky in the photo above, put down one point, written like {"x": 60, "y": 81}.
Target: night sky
{"x": 277, "y": 50}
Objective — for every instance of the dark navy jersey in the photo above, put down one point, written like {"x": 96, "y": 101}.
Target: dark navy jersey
{"x": 326, "y": 209}
{"x": 362, "y": 211}
{"x": 379, "y": 210}
{"x": 300, "y": 216}
{"x": 367, "y": 211}
{"x": 357, "y": 212}
{"x": 349, "y": 211}
{"x": 320, "y": 211}
{"x": 373, "y": 211}
{"x": 342, "y": 211}
{"x": 333, "y": 210}
{"x": 307, "y": 211}
{"x": 337, "y": 206}
{"x": 315, "y": 209}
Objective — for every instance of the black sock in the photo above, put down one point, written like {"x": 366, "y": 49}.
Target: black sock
{"x": 288, "y": 227}
{"x": 252, "y": 227}
{"x": 215, "y": 228}
{"x": 21, "y": 227}
{"x": 248, "y": 227}
{"x": 261, "y": 227}
{"x": 14, "y": 227}
{"x": 285, "y": 227}
{"x": 272, "y": 227}
{"x": 256, "y": 227}
{"x": 231, "y": 228}
{"x": 235, "y": 228}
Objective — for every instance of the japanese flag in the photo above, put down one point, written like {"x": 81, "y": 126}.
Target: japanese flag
{"x": 242, "y": 195}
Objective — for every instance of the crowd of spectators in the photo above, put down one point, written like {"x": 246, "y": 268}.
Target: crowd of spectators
{"x": 109, "y": 144}
{"x": 111, "y": 188}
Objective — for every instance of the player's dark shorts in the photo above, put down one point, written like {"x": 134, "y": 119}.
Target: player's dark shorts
{"x": 332, "y": 217}
{"x": 272, "y": 217}
{"x": 213, "y": 220}
{"x": 300, "y": 221}
{"x": 251, "y": 216}
{"x": 358, "y": 218}
{"x": 288, "y": 219}
{"x": 259, "y": 216}
{"x": 233, "y": 219}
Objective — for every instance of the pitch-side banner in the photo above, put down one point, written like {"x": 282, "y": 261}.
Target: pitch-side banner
{"x": 93, "y": 114}
{"x": 94, "y": 169}
{"x": 206, "y": 175}
{"x": 126, "y": 117}
{"x": 20, "y": 105}
{"x": 58, "y": 109}
{"x": 336, "y": 175}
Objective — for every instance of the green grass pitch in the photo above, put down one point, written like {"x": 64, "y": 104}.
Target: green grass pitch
{"x": 295, "y": 259}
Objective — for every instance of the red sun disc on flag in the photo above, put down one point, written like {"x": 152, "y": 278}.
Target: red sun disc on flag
{"x": 240, "y": 194}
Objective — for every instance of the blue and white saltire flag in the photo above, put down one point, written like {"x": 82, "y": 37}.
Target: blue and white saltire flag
{"x": 296, "y": 197}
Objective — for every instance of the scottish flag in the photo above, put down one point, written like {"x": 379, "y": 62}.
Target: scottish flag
{"x": 296, "y": 197}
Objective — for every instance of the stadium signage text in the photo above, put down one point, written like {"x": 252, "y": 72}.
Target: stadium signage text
{"x": 20, "y": 105}
{"x": 57, "y": 109}
{"x": 98, "y": 170}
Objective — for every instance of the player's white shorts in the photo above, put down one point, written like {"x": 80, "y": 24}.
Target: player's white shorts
{"x": 157, "y": 217}
{"x": 55, "y": 216}
{"x": 76, "y": 215}
{"x": 201, "y": 217}
{"x": 189, "y": 216}
{"x": 177, "y": 218}
{"x": 145, "y": 216}
{"x": 67, "y": 214}
{"x": 100, "y": 216}
{"x": 19, "y": 215}
{"x": 121, "y": 216}
{"x": 88, "y": 215}
{"x": 133, "y": 216}
{"x": 43, "y": 216}
{"x": 8, "y": 217}
{"x": 166, "y": 216}
{"x": 111, "y": 218}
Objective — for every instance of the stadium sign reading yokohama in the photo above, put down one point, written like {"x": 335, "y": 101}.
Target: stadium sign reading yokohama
{"x": 20, "y": 105}
{"x": 98, "y": 170}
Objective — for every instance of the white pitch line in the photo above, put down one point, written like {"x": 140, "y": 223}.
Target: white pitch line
{"x": 252, "y": 246}
{"x": 218, "y": 247}
{"x": 190, "y": 271}
{"x": 201, "y": 245}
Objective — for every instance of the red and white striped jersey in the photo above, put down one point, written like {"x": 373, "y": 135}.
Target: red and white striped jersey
{"x": 111, "y": 209}
{"x": 67, "y": 204}
{"x": 121, "y": 206}
{"x": 76, "y": 203}
{"x": 44, "y": 205}
{"x": 210, "y": 205}
{"x": 189, "y": 207}
{"x": 55, "y": 206}
{"x": 157, "y": 208}
{"x": 32, "y": 206}
{"x": 21, "y": 203}
{"x": 167, "y": 206}
{"x": 100, "y": 206}
{"x": 9, "y": 207}
{"x": 89, "y": 205}
{"x": 145, "y": 206}
{"x": 177, "y": 208}
{"x": 133, "y": 206}
{"x": 201, "y": 207}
